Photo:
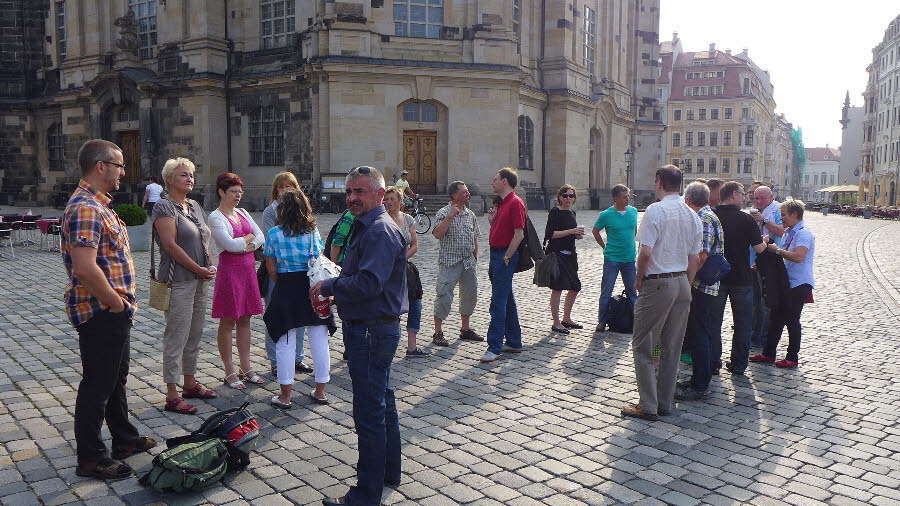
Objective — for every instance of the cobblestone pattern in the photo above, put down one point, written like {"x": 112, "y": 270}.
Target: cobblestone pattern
{"x": 542, "y": 427}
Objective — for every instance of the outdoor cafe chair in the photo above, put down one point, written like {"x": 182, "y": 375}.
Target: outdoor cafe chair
{"x": 6, "y": 232}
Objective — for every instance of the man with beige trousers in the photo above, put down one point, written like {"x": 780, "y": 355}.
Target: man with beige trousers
{"x": 670, "y": 235}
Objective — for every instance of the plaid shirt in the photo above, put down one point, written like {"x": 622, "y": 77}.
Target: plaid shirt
{"x": 89, "y": 222}
{"x": 458, "y": 244}
{"x": 292, "y": 253}
{"x": 713, "y": 242}
{"x": 342, "y": 234}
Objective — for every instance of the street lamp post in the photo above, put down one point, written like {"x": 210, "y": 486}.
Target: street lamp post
{"x": 628, "y": 155}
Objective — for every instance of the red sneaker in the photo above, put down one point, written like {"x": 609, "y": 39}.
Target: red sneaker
{"x": 786, "y": 363}
{"x": 762, "y": 358}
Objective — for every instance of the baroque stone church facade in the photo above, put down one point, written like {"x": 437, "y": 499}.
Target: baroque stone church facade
{"x": 446, "y": 89}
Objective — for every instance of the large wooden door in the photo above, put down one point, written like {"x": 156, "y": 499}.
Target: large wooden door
{"x": 420, "y": 159}
{"x": 130, "y": 142}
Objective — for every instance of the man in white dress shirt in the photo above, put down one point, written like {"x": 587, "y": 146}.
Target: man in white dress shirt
{"x": 670, "y": 236}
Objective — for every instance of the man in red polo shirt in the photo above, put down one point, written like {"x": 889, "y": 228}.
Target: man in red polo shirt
{"x": 507, "y": 230}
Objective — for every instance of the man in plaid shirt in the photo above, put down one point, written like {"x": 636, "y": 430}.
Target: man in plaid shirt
{"x": 700, "y": 330}
{"x": 100, "y": 302}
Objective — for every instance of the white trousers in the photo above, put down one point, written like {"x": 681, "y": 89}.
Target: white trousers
{"x": 286, "y": 349}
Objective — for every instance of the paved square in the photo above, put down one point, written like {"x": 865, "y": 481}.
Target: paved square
{"x": 542, "y": 427}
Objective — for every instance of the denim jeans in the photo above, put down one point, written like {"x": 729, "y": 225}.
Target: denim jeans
{"x": 742, "y": 309}
{"x": 270, "y": 344}
{"x": 699, "y": 338}
{"x": 504, "y": 313}
{"x": 104, "y": 343}
{"x": 414, "y": 317}
{"x": 611, "y": 270}
{"x": 370, "y": 350}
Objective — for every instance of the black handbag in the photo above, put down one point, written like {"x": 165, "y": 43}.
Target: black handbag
{"x": 262, "y": 278}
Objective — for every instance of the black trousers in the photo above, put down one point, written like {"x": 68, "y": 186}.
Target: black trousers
{"x": 787, "y": 314}
{"x": 105, "y": 350}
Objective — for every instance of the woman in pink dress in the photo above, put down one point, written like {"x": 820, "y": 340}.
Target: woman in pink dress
{"x": 236, "y": 294}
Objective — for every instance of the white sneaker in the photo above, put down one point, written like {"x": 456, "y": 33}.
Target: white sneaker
{"x": 489, "y": 357}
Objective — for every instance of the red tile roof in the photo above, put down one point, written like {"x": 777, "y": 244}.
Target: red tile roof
{"x": 819, "y": 154}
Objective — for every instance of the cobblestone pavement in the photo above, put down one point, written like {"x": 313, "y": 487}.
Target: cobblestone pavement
{"x": 542, "y": 427}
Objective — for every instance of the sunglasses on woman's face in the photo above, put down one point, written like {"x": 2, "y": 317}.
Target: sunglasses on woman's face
{"x": 568, "y": 196}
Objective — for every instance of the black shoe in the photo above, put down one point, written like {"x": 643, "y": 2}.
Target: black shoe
{"x": 601, "y": 327}
{"x": 301, "y": 367}
{"x": 392, "y": 483}
{"x": 715, "y": 370}
{"x": 684, "y": 384}
{"x": 336, "y": 501}
{"x": 559, "y": 330}
{"x": 690, "y": 394}
{"x": 572, "y": 325}
{"x": 730, "y": 368}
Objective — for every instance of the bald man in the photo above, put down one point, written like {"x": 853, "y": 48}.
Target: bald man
{"x": 766, "y": 212}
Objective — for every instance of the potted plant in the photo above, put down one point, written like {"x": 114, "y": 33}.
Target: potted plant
{"x": 135, "y": 220}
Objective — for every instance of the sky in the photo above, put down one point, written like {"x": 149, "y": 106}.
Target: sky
{"x": 814, "y": 50}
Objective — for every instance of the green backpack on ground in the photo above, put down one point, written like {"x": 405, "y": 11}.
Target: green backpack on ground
{"x": 193, "y": 466}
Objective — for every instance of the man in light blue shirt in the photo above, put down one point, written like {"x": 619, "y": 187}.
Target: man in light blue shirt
{"x": 619, "y": 253}
{"x": 765, "y": 211}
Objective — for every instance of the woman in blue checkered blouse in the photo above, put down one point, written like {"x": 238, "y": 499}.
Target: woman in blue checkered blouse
{"x": 289, "y": 247}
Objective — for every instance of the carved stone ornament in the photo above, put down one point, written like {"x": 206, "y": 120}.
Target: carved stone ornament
{"x": 128, "y": 33}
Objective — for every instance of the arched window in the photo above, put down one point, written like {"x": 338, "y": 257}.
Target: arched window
{"x": 267, "y": 136}
{"x": 420, "y": 112}
{"x": 526, "y": 143}
{"x": 56, "y": 147}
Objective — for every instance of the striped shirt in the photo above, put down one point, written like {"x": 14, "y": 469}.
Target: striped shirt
{"x": 292, "y": 253}
{"x": 458, "y": 244}
{"x": 713, "y": 242}
{"x": 89, "y": 222}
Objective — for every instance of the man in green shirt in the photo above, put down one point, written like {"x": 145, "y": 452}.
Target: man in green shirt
{"x": 620, "y": 222}
{"x": 403, "y": 184}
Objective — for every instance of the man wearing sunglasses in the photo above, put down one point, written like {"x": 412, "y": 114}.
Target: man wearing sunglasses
{"x": 620, "y": 222}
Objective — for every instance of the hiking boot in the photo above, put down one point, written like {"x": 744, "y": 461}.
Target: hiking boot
{"x": 470, "y": 335}
{"x": 439, "y": 340}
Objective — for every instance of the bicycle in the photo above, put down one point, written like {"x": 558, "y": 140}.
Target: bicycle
{"x": 423, "y": 221}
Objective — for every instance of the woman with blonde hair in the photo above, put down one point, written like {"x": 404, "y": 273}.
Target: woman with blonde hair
{"x": 393, "y": 200}
{"x": 182, "y": 236}
{"x": 560, "y": 235}
{"x": 289, "y": 247}
{"x": 283, "y": 182}
{"x": 236, "y": 295}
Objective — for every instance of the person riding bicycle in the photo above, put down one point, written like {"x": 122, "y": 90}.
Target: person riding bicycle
{"x": 403, "y": 185}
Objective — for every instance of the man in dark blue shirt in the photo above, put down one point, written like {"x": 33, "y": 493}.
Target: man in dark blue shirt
{"x": 371, "y": 295}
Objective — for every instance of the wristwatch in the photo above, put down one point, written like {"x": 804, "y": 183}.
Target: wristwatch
{"x": 766, "y": 221}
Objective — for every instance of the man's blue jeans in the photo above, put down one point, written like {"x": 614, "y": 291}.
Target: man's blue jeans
{"x": 700, "y": 334}
{"x": 414, "y": 317}
{"x": 504, "y": 313}
{"x": 370, "y": 350}
{"x": 270, "y": 344}
{"x": 742, "y": 309}
{"x": 611, "y": 270}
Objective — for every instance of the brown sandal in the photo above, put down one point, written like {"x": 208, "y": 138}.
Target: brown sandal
{"x": 198, "y": 392}
{"x": 106, "y": 469}
{"x": 139, "y": 445}
{"x": 180, "y": 406}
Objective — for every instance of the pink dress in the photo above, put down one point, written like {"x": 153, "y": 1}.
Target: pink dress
{"x": 237, "y": 292}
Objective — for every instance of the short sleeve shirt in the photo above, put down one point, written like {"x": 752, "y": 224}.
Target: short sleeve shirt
{"x": 620, "y": 230}
{"x": 89, "y": 222}
{"x": 191, "y": 234}
{"x": 674, "y": 231}
{"x": 802, "y": 273}
{"x": 741, "y": 234}
{"x": 773, "y": 213}
{"x": 292, "y": 254}
{"x": 458, "y": 244}
{"x": 510, "y": 216}
{"x": 402, "y": 184}
{"x": 154, "y": 191}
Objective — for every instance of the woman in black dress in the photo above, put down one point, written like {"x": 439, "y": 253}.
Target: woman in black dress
{"x": 561, "y": 232}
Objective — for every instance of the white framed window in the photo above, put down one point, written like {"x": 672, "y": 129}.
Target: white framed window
{"x": 728, "y": 112}
{"x": 687, "y": 165}
{"x": 712, "y": 165}
{"x": 277, "y": 22}
{"x": 701, "y": 138}
{"x": 418, "y": 18}
{"x": 676, "y": 140}
{"x": 267, "y": 136}
{"x": 677, "y": 115}
{"x": 701, "y": 114}
{"x": 61, "y": 30}
{"x": 714, "y": 113}
{"x": 726, "y": 165}
{"x": 145, "y": 13}
{"x": 589, "y": 51}
{"x": 700, "y": 164}
{"x": 747, "y": 165}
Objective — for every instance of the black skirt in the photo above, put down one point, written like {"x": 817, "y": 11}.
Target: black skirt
{"x": 290, "y": 306}
{"x": 568, "y": 273}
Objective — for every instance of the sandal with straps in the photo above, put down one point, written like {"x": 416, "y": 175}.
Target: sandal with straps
{"x": 238, "y": 384}
{"x": 180, "y": 406}
{"x": 252, "y": 377}
{"x": 198, "y": 391}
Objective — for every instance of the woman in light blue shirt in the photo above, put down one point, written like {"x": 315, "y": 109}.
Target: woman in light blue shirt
{"x": 798, "y": 254}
